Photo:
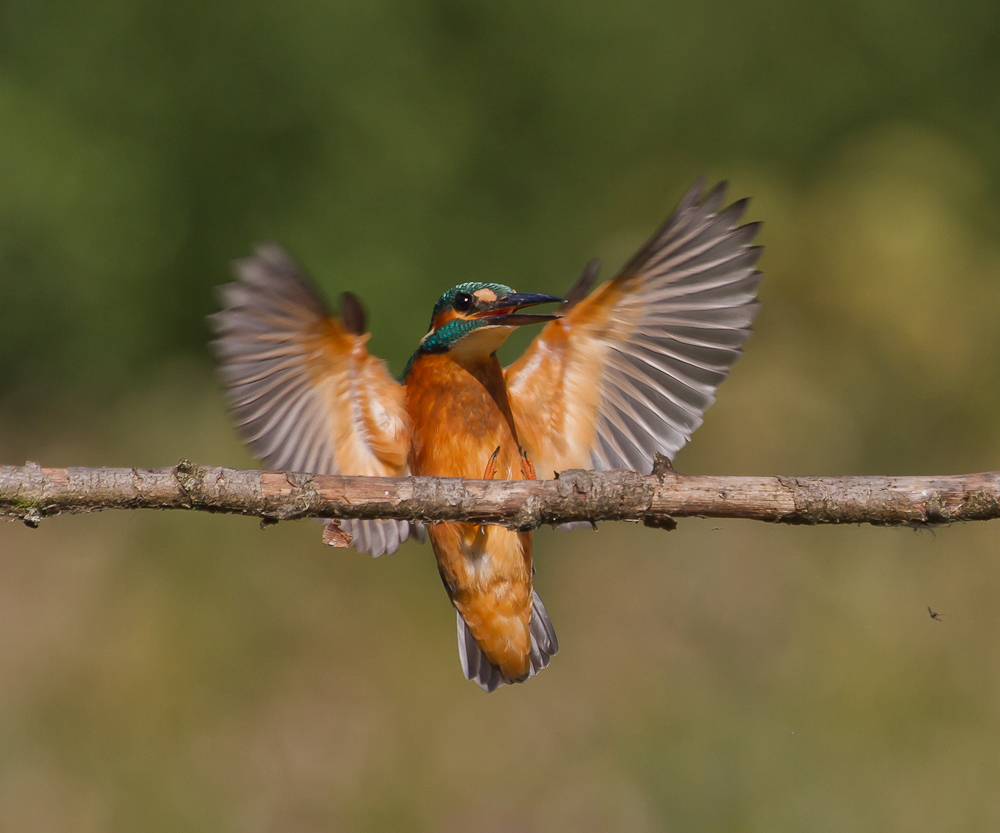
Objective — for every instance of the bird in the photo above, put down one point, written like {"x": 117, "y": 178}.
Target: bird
{"x": 616, "y": 375}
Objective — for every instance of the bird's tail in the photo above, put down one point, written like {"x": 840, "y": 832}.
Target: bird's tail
{"x": 480, "y": 670}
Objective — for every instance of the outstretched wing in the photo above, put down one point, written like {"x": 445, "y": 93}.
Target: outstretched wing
{"x": 630, "y": 369}
{"x": 304, "y": 390}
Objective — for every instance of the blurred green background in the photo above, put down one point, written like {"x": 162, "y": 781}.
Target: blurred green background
{"x": 176, "y": 672}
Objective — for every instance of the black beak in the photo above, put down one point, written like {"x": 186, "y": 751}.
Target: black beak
{"x": 503, "y": 311}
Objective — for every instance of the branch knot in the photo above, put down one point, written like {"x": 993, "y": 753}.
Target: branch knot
{"x": 189, "y": 477}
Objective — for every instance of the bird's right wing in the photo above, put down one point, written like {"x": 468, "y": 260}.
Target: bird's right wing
{"x": 630, "y": 368}
{"x": 304, "y": 390}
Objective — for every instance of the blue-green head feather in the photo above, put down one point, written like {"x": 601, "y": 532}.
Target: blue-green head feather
{"x": 476, "y": 306}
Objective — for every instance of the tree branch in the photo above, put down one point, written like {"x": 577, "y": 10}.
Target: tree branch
{"x": 31, "y": 493}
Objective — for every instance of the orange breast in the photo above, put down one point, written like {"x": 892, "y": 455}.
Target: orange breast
{"x": 460, "y": 416}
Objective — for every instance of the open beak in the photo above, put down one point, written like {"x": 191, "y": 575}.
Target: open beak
{"x": 503, "y": 311}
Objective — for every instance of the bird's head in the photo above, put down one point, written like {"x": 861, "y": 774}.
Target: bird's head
{"x": 474, "y": 319}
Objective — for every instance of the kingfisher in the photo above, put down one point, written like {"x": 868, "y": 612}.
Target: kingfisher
{"x": 616, "y": 375}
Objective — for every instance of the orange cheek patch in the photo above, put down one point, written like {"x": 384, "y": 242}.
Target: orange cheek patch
{"x": 443, "y": 318}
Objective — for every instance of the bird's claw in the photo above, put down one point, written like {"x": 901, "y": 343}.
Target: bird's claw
{"x": 491, "y": 466}
{"x": 527, "y": 467}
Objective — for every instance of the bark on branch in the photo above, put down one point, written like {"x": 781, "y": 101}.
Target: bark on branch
{"x": 31, "y": 493}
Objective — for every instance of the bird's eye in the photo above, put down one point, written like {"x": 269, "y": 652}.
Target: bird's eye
{"x": 463, "y": 302}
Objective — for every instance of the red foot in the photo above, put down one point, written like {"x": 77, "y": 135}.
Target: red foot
{"x": 527, "y": 467}
{"x": 491, "y": 466}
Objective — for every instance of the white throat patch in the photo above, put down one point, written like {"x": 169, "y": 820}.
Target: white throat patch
{"x": 481, "y": 342}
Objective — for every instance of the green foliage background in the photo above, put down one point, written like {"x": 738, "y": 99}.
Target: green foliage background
{"x": 171, "y": 672}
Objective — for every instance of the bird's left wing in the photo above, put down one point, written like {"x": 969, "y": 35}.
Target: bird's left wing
{"x": 630, "y": 369}
{"x": 304, "y": 390}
